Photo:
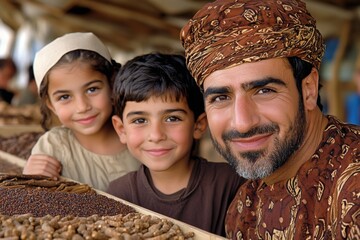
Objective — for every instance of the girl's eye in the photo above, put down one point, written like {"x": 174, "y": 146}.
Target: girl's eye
{"x": 173, "y": 119}
{"x": 63, "y": 97}
{"x": 92, "y": 89}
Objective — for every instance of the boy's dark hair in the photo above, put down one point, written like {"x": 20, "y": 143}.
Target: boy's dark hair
{"x": 95, "y": 60}
{"x": 159, "y": 75}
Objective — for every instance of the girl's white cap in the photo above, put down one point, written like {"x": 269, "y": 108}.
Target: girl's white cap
{"x": 49, "y": 55}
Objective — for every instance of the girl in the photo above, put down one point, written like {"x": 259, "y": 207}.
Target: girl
{"x": 73, "y": 74}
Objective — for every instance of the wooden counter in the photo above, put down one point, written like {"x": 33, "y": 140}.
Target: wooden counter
{"x": 12, "y": 130}
{"x": 199, "y": 233}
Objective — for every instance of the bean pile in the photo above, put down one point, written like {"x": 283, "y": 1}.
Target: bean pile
{"x": 20, "y": 145}
{"x": 130, "y": 226}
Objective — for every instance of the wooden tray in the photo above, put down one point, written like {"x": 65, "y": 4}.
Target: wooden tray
{"x": 12, "y": 130}
{"x": 199, "y": 233}
{"x": 12, "y": 159}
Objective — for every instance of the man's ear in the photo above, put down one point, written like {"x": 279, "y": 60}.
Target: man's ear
{"x": 310, "y": 89}
{"x": 119, "y": 128}
{"x": 200, "y": 126}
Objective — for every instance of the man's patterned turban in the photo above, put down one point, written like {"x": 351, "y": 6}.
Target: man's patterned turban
{"x": 227, "y": 33}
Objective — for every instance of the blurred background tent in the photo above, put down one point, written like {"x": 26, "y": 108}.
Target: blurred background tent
{"x": 131, "y": 27}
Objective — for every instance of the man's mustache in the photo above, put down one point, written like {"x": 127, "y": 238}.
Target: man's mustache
{"x": 234, "y": 134}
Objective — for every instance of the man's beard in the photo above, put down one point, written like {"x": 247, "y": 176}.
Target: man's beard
{"x": 260, "y": 164}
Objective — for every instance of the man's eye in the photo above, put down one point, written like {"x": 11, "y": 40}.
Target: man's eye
{"x": 218, "y": 98}
{"x": 265, "y": 90}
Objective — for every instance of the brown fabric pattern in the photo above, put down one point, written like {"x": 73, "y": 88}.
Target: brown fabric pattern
{"x": 321, "y": 202}
{"x": 227, "y": 33}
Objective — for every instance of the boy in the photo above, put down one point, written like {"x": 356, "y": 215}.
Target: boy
{"x": 159, "y": 115}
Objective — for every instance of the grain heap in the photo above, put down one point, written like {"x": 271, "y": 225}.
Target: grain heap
{"x": 37, "y": 207}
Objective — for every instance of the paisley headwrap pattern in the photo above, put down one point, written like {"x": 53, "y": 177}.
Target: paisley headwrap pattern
{"x": 227, "y": 33}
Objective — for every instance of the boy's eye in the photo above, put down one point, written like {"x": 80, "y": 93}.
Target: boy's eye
{"x": 172, "y": 119}
{"x": 139, "y": 121}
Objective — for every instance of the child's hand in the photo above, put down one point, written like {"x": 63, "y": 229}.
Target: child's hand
{"x": 41, "y": 164}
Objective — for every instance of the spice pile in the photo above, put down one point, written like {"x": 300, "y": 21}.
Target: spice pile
{"x": 10, "y": 168}
{"x": 40, "y": 195}
{"x": 20, "y": 145}
{"x": 37, "y": 207}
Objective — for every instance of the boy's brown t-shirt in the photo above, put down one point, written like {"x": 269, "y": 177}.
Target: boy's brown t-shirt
{"x": 202, "y": 204}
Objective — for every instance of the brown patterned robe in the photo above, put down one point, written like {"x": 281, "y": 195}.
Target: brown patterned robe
{"x": 321, "y": 202}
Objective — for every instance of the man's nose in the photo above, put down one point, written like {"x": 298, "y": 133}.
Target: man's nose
{"x": 245, "y": 114}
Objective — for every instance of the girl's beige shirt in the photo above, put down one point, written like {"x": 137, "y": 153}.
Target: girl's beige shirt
{"x": 79, "y": 163}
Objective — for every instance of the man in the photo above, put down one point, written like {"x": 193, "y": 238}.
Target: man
{"x": 7, "y": 72}
{"x": 257, "y": 63}
{"x": 352, "y": 102}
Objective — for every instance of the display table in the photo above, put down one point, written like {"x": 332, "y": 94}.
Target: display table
{"x": 199, "y": 234}
{"x": 12, "y": 130}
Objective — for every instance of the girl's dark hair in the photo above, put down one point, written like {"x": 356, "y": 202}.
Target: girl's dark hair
{"x": 95, "y": 60}
{"x": 302, "y": 69}
{"x": 159, "y": 75}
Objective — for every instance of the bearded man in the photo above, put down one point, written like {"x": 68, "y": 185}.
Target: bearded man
{"x": 258, "y": 65}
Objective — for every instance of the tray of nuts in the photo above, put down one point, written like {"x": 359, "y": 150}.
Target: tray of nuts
{"x": 38, "y": 207}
